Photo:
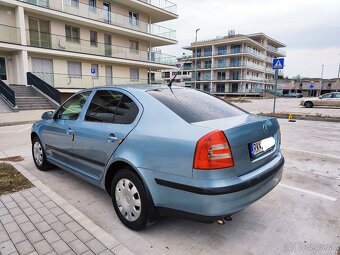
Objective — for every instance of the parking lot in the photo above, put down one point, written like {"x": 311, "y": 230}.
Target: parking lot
{"x": 300, "y": 216}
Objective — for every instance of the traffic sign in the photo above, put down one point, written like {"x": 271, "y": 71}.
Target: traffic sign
{"x": 93, "y": 71}
{"x": 311, "y": 86}
{"x": 278, "y": 63}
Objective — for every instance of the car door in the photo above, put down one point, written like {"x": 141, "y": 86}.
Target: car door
{"x": 110, "y": 117}
{"x": 58, "y": 135}
{"x": 335, "y": 100}
{"x": 325, "y": 100}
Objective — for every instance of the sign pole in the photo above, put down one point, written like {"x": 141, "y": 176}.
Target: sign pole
{"x": 275, "y": 89}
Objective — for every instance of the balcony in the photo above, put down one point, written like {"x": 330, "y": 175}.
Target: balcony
{"x": 9, "y": 34}
{"x": 233, "y": 52}
{"x": 107, "y": 17}
{"x": 163, "y": 4}
{"x": 273, "y": 49}
{"x": 67, "y": 81}
{"x": 62, "y": 43}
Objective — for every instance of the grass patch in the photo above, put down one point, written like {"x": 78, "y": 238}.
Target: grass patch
{"x": 11, "y": 180}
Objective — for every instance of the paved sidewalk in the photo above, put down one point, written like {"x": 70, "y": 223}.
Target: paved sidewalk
{"x": 38, "y": 221}
{"x": 21, "y": 117}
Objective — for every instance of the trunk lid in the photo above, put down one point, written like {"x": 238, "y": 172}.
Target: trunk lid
{"x": 243, "y": 130}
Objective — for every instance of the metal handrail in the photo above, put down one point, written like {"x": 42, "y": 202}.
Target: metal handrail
{"x": 7, "y": 93}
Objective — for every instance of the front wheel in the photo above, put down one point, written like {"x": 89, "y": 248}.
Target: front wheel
{"x": 39, "y": 156}
{"x": 308, "y": 104}
{"x": 130, "y": 199}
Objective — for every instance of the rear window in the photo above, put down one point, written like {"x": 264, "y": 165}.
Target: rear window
{"x": 195, "y": 106}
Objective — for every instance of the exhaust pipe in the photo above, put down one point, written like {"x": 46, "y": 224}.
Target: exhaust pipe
{"x": 227, "y": 218}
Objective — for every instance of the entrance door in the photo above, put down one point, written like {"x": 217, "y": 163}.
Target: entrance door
{"x": 106, "y": 12}
{"x": 234, "y": 88}
{"x": 3, "y": 69}
{"x": 39, "y": 31}
{"x": 108, "y": 45}
{"x": 108, "y": 75}
{"x": 43, "y": 68}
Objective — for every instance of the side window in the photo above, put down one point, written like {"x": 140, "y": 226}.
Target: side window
{"x": 72, "y": 108}
{"x": 111, "y": 107}
{"x": 336, "y": 95}
{"x": 327, "y": 96}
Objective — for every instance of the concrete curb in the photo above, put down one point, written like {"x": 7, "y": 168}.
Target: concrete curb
{"x": 17, "y": 123}
{"x": 302, "y": 117}
{"x": 109, "y": 242}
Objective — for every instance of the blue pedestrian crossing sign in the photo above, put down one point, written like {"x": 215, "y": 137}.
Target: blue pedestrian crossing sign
{"x": 278, "y": 63}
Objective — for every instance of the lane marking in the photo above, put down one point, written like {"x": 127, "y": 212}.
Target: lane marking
{"x": 333, "y": 199}
{"x": 311, "y": 152}
{"x": 24, "y": 129}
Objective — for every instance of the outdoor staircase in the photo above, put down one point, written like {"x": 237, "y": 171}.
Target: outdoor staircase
{"x": 27, "y": 98}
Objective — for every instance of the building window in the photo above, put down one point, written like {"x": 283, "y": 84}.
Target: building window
{"x": 222, "y": 50}
{"x": 72, "y": 34}
{"x": 207, "y": 51}
{"x": 92, "y": 5}
{"x": 134, "y": 74}
{"x": 73, "y": 3}
{"x": 222, "y": 63}
{"x": 207, "y": 64}
{"x": 74, "y": 69}
{"x": 94, "y": 38}
{"x": 134, "y": 46}
{"x": 133, "y": 18}
{"x": 166, "y": 75}
{"x": 95, "y": 67}
{"x": 220, "y": 76}
{"x": 220, "y": 88}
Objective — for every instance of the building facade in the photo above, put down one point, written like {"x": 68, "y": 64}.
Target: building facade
{"x": 309, "y": 87}
{"x": 235, "y": 64}
{"x": 182, "y": 72}
{"x": 75, "y": 44}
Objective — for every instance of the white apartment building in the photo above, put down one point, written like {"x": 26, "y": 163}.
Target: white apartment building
{"x": 75, "y": 44}
{"x": 182, "y": 73}
{"x": 235, "y": 64}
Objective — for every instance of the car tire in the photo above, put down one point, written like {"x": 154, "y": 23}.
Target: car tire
{"x": 130, "y": 199}
{"x": 308, "y": 104}
{"x": 39, "y": 155}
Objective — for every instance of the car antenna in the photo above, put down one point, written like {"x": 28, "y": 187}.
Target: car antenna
{"x": 181, "y": 69}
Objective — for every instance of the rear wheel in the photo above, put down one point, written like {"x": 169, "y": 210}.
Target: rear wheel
{"x": 130, "y": 199}
{"x": 308, "y": 104}
{"x": 39, "y": 156}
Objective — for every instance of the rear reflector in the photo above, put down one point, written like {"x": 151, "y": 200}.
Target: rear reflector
{"x": 213, "y": 152}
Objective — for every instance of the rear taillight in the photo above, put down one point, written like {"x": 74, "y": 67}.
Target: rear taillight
{"x": 213, "y": 152}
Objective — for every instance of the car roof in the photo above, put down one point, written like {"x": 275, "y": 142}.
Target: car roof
{"x": 142, "y": 87}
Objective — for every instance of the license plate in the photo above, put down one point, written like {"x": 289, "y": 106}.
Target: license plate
{"x": 260, "y": 147}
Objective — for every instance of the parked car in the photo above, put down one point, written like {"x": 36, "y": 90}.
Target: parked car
{"x": 329, "y": 99}
{"x": 291, "y": 94}
{"x": 160, "y": 152}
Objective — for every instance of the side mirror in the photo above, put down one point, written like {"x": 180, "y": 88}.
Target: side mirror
{"x": 47, "y": 115}
{"x": 320, "y": 97}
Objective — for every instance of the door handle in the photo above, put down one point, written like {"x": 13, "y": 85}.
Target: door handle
{"x": 69, "y": 131}
{"x": 112, "y": 138}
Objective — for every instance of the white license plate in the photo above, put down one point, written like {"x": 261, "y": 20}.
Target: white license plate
{"x": 260, "y": 147}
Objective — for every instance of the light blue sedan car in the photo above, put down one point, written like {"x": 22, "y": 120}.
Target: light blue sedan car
{"x": 162, "y": 152}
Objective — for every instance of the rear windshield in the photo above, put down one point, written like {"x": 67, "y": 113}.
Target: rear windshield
{"x": 195, "y": 106}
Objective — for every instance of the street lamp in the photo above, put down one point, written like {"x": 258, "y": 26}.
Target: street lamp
{"x": 198, "y": 29}
{"x": 323, "y": 66}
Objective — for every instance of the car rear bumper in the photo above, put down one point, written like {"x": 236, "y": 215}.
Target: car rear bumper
{"x": 209, "y": 204}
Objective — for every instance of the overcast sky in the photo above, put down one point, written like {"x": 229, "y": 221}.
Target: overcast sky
{"x": 309, "y": 28}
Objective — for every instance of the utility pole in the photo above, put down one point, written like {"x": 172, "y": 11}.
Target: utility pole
{"x": 323, "y": 66}
{"x": 195, "y": 77}
{"x": 337, "y": 85}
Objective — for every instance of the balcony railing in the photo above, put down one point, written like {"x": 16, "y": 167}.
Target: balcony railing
{"x": 9, "y": 34}
{"x": 65, "y": 81}
{"x": 271, "y": 48}
{"x": 232, "y": 52}
{"x": 99, "y": 14}
{"x": 63, "y": 43}
{"x": 163, "y": 4}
